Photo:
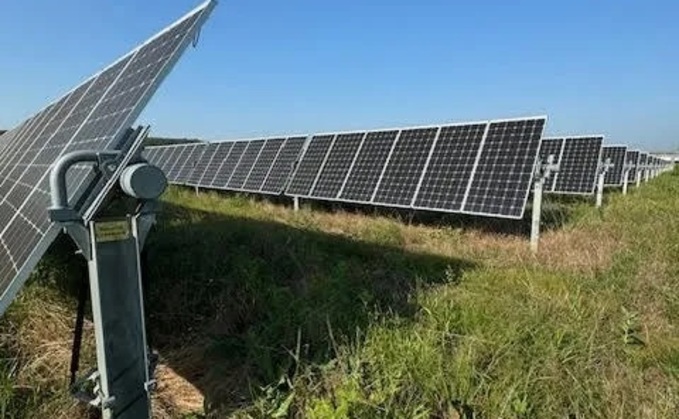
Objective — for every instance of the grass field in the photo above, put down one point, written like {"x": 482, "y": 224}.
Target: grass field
{"x": 259, "y": 311}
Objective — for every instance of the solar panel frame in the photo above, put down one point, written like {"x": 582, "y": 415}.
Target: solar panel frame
{"x": 81, "y": 176}
{"x": 617, "y": 153}
{"x": 562, "y": 170}
{"x": 537, "y": 125}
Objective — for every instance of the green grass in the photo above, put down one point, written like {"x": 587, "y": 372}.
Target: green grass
{"x": 265, "y": 312}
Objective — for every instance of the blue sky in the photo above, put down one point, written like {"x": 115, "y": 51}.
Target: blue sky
{"x": 266, "y": 67}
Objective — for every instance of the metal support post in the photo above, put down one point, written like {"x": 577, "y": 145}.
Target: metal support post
{"x": 111, "y": 242}
{"x": 603, "y": 169}
{"x": 543, "y": 171}
{"x": 625, "y": 180}
{"x": 295, "y": 203}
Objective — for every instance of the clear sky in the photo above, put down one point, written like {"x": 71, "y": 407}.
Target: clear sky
{"x": 266, "y": 67}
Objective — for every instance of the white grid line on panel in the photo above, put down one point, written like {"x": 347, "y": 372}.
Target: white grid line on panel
{"x": 425, "y": 167}
{"x": 351, "y": 166}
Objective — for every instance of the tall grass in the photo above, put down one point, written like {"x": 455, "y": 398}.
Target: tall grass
{"x": 260, "y": 311}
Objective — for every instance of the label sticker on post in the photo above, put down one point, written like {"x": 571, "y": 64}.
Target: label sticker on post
{"x": 111, "y": 231}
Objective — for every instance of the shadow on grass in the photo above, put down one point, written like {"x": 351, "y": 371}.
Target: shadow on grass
{"x": 557, "y": 211}
{"x": 233, "y": 304}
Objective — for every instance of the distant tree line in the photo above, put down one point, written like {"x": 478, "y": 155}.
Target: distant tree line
{"x": 151, "y": 141}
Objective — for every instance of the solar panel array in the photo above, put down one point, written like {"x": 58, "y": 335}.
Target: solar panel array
{"x": 578, "y": 159}
{"x": 93, "y": 116}
{"x": 260, "y": 165}
{"x": 481, "y": 168}
{"x": 616, "y": 155}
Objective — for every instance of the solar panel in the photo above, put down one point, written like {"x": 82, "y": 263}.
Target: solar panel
{"x": 365, "y": 173}
{"x": 309, "y": 167}
{"x": 263, "y": 165}
{"x": 247, "y": 161}
{"x": 188, "y": 163}
{"x": 503, "y": 177}
{"x": 402, "y": 173}
{"x": 284, "y": 165}
{"x": 337, "y": 165}
{"x": 578, "y": 165}
{"x": 202, "y": 163}
{"x": 197, "y": 166}
{"x": 93, "y": 116}
{"x": 221, "y": 152}
{"x": 616, "y": 154}
{"x": 632, "y": 158}
{"x": 229, "y": 164}
{"x": 177, "y": 161}
{"x": 450, "y": 167}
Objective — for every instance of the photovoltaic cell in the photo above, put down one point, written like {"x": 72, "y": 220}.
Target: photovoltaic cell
{"x": 94, "y": 116}
{"x": 578, "y": 166}
{"x": 504, "y": 171}
{"x": 337, "y": 165}
{"x": 616, "y": 154}
{"x": 404, "y": 168}
{"x": 263, "y": 164}
{"x": 284, "y": 165}
{"x": 229, "y": 164}
{"x": 365, "y": 173}
{"x": 310, "y": 165}
{"x": 450, "y": 167}
{"x": 247, "y": 161}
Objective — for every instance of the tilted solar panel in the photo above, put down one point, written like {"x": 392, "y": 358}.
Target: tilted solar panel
{"x": 450, "y": 167}
{"x": 310, "y": 165}
{"x": 245, "y": 165}
{"x": 337, "y": 165}
{"x": 278, "y": 177}
{"x": 229, "y": 164}
{"x": 263, "y": 165}
{"x": 221, "y": 152}
{"x": 200, "y": 159}
{"x": 365, "y": 173}
{"x": 578, "y": 165}
{"x": 402, "y": 173}
{"x": 188, "y": 163}
{"x": 616, "y": 154}
{"x": 93, "y": 116}
{"x": 503, "y": 177}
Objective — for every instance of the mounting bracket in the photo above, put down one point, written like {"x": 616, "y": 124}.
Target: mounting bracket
{"x": 542, "y": 172}
{"x": 601, "y": 178}
{"x": 110, "y": 242}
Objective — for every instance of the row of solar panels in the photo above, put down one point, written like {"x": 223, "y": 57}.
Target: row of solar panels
{"x": 581, "y": 158}
{"x": 483, "y": 168}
